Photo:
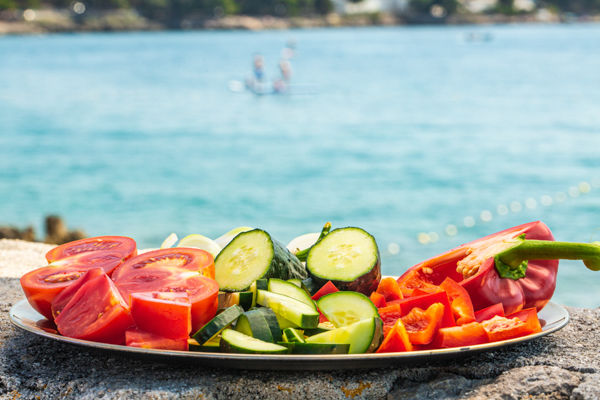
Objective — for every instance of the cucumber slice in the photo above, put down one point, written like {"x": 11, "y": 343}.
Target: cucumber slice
{"x": 255, "y": 255}
{"x": 297, "y": 282}
{"x": 346, "y": 308}
{"x": 293, "y": 335}
{"x": 224, "y": 240}
{"x": 217, "y": 324}
{"x": 212, "y": 346}
{"x": 262, "y": 284}
{"x": 169, "y": 241}
{"x": 290, "y": 290}
{"x": 293, "y": 310}
{"x": 310, "y": 286}
{"x": 316, "y": 348}
{"x": 284, "y": 323}
{"x": 363, "y": 337}
{"x": 349, "y": 258}
{"x": 253, "y": 323}
{"x": 273, "y": 323}
{"x": 253, "y": 290}
{"x": 242, "y": 299}
{"x": 322, "y": 327}
{"x": 236, "y": 342}
{"x": 200, "y": 242}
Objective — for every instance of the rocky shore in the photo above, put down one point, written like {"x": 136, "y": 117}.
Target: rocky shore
{"x": 57, "y": 21}
{"x": 564, "y": 365}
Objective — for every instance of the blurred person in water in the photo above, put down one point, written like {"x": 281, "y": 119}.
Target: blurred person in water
{"x": 282, "y": 84}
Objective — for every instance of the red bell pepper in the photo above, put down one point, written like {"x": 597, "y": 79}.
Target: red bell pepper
{"x": 327, "y": 288}
{"x": 462, "y": 307}
{"x": 503, "y": 267}
{"x": 530, "y": 318}
{"x": 421, "y": 325}
{"x": 378, "y": 300}
{"x": 396, "y": 340}
{"x": 489, "y": 312}
{"x": 389, "y": 289}
{"x": 499, "y": 328}
{"x": 458, "y": 336}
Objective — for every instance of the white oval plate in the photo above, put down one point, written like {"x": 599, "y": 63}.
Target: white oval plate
{"x": 25, "y": 317}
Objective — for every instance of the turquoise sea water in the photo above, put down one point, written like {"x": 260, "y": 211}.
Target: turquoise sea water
{"x": 413, "y": 130}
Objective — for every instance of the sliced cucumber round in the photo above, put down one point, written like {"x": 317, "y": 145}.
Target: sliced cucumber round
{"x": 253, "y": 323}
{"x": 255, "y": 255}
{"x": 363, "y": 337}
{"x": 293, "y": 310}
{"x": 316, "y": 348}
{"x": 217, "y": 324}
{"x": 289, "y": 289}
{"x": 345, "y": 308}
{"x": 236, "y": 342}
{"x": 349, "y": 258}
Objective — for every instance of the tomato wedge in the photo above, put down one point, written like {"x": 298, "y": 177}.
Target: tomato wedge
{"x": 166, "y": 314}
{"x": 146, "y": 340}
{"x": 97, "y": 313}
{"x": 124, "y": 246}
{"x": 42, "y": 285}
{"x": 173, "y": 270}
{"x": 63, "y": 298}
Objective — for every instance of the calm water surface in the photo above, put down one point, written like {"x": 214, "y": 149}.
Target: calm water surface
{"x": 414, "y": 129}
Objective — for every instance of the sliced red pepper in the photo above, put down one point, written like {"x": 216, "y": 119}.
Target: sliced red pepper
{"x": 389, "y": 315}
{"x": 327, "y": 288}
{"x": 530, "y": 318}
{"x": 423, "y": 302}
{"x": 421, "y": 325}
{"x": 396, "y": 340}
{"x": 378, "y": 300}
{"x": 462, "y": 307}
{"x": 499, "y": 328}
{"x": 489, "y": 312}
{"x": 459, "y": 336}
{"x": 389, "y": 289}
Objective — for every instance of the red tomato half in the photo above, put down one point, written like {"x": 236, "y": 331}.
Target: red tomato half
{"x": 42, "y": 285}
{"x": 124, "y": 246}
{"x": 173, "y": 270}
{"x": 165, "y": 314}
{"x": 97, "y": 313}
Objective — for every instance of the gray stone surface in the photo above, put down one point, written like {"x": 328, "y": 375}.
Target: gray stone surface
{"x": 560, "y": 366}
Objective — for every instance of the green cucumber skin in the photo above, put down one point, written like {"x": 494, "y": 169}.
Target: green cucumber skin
{"x": 292, "y": 335}
{"x": 262, "y": 284}
{"x": 365, "y": 284}
{"x": 284, "y": 265}
{"x": 259, "y": 329}
{"x": 310, "y": 286}
{"x": 217, "y": 324}
{"x": 271, "y": 319}
{"x": 315, "y": 348}
{"x": 227, "y": 347}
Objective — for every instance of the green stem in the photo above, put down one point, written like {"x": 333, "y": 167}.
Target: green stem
{"x": 512, "y": 262}
{"x": 304, "y": 253}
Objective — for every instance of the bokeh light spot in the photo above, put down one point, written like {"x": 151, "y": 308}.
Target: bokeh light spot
{"x": 423, "y": 238}
{"x": 393, "y": 248}
{"x": 574, "y": 192}
{"x": 531, "y": 203}
{"x": 546, "y": 200}
{"x": 560, "y": 197}
{"x": 469, "y": 222}
{"x": 584, "y": 187}
{"x": 451, "y": 230}
{"x": 515, "y": 206}
{"x": 502, "y": 209}
{"x": 486, "y": 216}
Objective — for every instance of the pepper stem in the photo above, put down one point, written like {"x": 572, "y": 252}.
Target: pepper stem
{"x": 304, "y": 253}
{"x": 512, "y": 262}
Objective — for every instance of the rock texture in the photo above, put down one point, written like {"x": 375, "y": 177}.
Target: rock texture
{"x": 564, "y": 365}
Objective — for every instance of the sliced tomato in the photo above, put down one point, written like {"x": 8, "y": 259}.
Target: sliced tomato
{"x": 166, "y": 314}
{"x": 327, "y": 288}
{"x": 97, "y": 313}
{"x": 422, "y": 325}
{"x": 499, "y": 328}
{"x": 389, "y": 289}
{"x": 489, "y": 312}
{"x": 173, "y": 270}
{"x": 63, "y": 298}
{"x": 530, "y": 317}
{"x": 459, "y": 336}
{"x": 460, "y": 301}
{"x": 124, "y": 246}
{"x": 146, "y": 340}
{"x": 378, "y": 300}
{"x": 396, "y": 340}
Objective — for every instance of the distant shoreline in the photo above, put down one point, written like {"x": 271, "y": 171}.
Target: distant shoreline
{"x": 61, "y": 21}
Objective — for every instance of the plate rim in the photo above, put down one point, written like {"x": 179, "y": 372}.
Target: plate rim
{"x": 289, "y": 361}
